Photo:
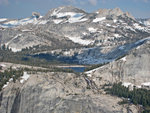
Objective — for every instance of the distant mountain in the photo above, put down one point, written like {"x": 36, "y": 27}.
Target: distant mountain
{"x": 11, "y": 23}
{"x": 114, "y": 45}
{"x": 144, "y": 21}
{"x": 69, "y": 32}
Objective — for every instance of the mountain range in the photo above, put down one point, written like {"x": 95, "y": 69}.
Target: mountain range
{"x": 88, "y": 38}
{"x": 113, "y": 44}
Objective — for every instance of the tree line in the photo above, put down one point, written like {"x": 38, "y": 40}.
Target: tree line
{"x": 8, "y": 74}
{"x": 136, "y": 96}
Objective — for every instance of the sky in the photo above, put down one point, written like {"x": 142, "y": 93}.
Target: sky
{"x": 24, "y": 8}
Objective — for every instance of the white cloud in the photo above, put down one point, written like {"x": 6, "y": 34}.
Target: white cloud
{"x": 93, "y": 2}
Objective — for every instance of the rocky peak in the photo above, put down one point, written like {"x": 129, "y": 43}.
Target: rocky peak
{"x": 114, "y": 12}
{"x": 129, "y": 15}
{"x": 36, "y": 14}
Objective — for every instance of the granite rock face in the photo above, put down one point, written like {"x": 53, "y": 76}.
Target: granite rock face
{"x": 113, "y": 12}
{"x": 57, "y": 93}
{"x": 133, "y": 67}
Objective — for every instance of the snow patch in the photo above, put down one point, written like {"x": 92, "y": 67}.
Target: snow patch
{"x": 66, "y": 53}
{"x": 84, "y": 33}
{"x": 139, "y": 87}
{"x": 89, "y": 75}
{"x": 92, "y": 30}
{"x": 74, "y": 20}
{"x": 79, "y": 40}
{"x": 24, "y": 77}
{"x": 137, "y": 26}
{"x": 57, "y": 21}
{"x": 5, "y": 85}
{"x": 3, "y": 19}
{"x": 56, "y": 11}
{"x": 72, "y": 17}
{"x": 19, "y": 22}
{"x": 26, "y": 30}
{"x": 130, "y": 28}
{"x": 147, "y": 23}
{"x": 42, "y": 22}
{"x": 3, "y": 65}
{"x": 59, "y": 15}
{"x": 99, "y": 19}
{"x": 117, "y": 35}
{"x": 146, "y": 84}
{"x": 108, "y": 25}
{"x": 124, "y": 59}
{"x": 97, "y": 12}
{"x": 115, "y": 20}
{"x": 127, "y": 84}
{"x": 14, "y": 23}
{"x": 138, "y": 47}
{"x": 15, "y": 49}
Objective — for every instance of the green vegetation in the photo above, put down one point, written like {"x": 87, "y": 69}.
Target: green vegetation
{"x": 136, "y": 96}
{"x": 15, "y": 74}
{"x": 52, "y": 69}
{"x": 24, "y": 57}
{"x": 125, "y": 101}
{"x": 6, "y": 55}
{"x": 7, "y": 74}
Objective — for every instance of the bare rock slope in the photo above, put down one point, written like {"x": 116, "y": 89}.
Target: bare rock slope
{"x": 132, "y": 68}
{"x": 57, "y": 93}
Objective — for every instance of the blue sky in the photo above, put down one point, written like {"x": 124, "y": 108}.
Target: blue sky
{"x": 24, "y": 8}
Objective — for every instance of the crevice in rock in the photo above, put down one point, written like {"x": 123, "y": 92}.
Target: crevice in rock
{"x": 1, "y": 98}
{"x": 16, "y": 104}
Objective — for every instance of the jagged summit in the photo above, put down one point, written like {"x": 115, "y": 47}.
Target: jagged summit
{"x": 116, "y": 11}
{"x": 113, "y": 12}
